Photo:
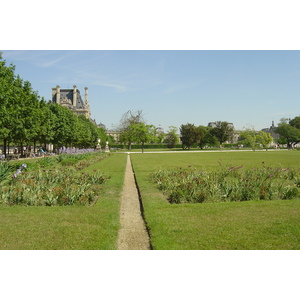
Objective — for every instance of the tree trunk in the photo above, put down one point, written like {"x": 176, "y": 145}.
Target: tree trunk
{"x": 22, "y": 152}
{"x": 4, "y": 147}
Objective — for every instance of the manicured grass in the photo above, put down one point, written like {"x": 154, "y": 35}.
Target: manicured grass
{"x": 236, "y": 225}
{"x": 206, "y": 159}
{"x": 69, "y": 227}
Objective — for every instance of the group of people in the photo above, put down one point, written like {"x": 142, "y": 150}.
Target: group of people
{"x": 27, "y": 152}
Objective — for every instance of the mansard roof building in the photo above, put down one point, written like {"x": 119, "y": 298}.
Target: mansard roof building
{"x": 71, "y": 99}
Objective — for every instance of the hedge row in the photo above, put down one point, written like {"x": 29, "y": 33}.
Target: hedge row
{"x": 147, "y": 146}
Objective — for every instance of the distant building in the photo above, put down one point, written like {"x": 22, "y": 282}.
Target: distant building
{"x": 115, "y": 134}
{"x": 101, "y": 125}
{"x": 71, "y": 99}
{"x": 272, "y": 132}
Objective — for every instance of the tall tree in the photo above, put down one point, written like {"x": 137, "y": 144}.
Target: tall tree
{"x": 7, "y": 96}
{"x": 142, "y": 133}
{"x": 208, "y": 139}
{"x": 45, "y": 130}
{"x": 130, "y": 118}
{"x": 223, "y": 131}
{"x": 127, "y": 131}
{"x": 64, "y": 125}
{"x": 190, "y": 135}
{"x": 26, "y": 110}
{"x": 83, "y": 137}
{"x": 171, "y": 137}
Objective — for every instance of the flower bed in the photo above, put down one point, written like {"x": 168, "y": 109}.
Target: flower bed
{"x": 228, "y": 183}
{"x": 63, "y": 184}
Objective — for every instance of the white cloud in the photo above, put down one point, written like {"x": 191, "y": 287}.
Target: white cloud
{"x": 91, "y": 78}
{"x": 50, "y": 63}
{"x": 118, "y": 87}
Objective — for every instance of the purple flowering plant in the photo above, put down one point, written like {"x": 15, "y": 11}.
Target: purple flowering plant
{"x": 18, "y": 172}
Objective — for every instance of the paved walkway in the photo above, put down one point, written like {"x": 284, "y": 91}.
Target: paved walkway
{"x": 133, "y": 234}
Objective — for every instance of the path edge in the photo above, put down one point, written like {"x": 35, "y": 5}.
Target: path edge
{"x": 141, "y": 204}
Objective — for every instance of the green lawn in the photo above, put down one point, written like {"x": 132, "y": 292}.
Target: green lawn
{"x": 236, "y": 225}
{"x": 206, "y": 159}
{"x": 68, "y": 227}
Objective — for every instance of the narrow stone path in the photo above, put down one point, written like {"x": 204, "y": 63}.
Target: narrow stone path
{"x": 133, "y": 234}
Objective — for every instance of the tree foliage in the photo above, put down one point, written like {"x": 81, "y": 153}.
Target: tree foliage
{"x": 295, "y": 122}
{"x": 289, "y": 134}
{"x": 171, "y": 137}
{"x": 265, "y": 139}
{"x": 191, "y": 135}
{"x": 208, "y": 139}
{"x": 250, "y": 135}
{"x": 141, "y": 133}
{"x": 128, "y": 128}
{"x": 223, "y": 131}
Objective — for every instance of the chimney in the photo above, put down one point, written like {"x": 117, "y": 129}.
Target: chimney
{"x": 86, "y": 101}
{"x": 58, "y": 94}
{"x": 74, "y": 96}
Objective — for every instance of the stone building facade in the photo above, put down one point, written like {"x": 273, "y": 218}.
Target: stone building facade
{"x": 71, "y": 99}
{"x": 115, "y": 134}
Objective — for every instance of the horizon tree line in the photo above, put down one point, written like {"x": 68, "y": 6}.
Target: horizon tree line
{"x": 134, "y": 129}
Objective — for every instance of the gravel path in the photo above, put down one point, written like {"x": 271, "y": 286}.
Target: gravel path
{"x": 133, "y": 234}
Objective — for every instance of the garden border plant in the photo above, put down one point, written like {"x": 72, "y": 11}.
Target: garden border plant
{"x": 63, "y": 185}
{"x": 228, "y": 183}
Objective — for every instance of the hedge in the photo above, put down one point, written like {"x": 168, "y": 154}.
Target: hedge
{"x": 146, "y": 146}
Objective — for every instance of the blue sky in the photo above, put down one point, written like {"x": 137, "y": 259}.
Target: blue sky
{"x": 172, "y": 87}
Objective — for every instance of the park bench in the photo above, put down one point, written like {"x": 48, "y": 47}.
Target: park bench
{"x": 12, "y": 156}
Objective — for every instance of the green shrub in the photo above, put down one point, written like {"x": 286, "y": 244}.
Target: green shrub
{"x": 230, "y": 145}
{"x": 146, "y": 146}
